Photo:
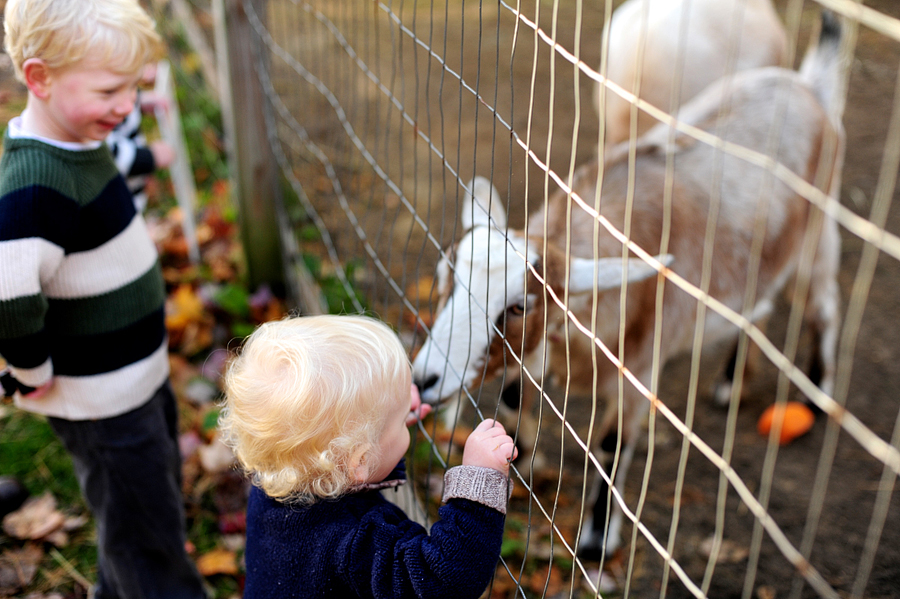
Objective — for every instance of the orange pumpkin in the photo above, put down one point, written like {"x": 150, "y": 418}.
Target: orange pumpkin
{"x": 795, "y": 417}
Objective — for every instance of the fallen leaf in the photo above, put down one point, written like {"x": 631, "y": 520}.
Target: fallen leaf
{"x": 729, "y": 551}
{"x": 188, "y": 443}
{"x": 182, "y": 308}
{"x": 175, "y": 247}
{"x": 194, "y": 338}
{"x": 216, "y": 457}
{"x": 37, "y": 518}
{"x": 75, "y": 522}
{"x": 200, "y": 391}
{"x": 217, "y": 561}
{"x": 546, "y": 576}
{"x": 421, "y": 289}
{"x": 232, "y": 523}
{"x": 502, "y": 585}
{"x": 765, "y": 592}
{"x": 234, "y": 542}
{"x": 58, "y": 537}
{"x": 18, "y": 567}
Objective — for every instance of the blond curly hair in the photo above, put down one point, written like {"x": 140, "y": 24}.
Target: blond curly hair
{"x": 117, "y": 34}
{"x": 306, "y": 401}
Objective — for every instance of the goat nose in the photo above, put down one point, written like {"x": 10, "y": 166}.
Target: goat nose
{"x": 427, "y": 383}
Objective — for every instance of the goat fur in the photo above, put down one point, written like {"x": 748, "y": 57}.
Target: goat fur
{"x": 710, "y": 38}
{"x": 497, "y": 287}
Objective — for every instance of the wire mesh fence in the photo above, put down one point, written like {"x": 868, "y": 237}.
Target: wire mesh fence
{"x": 756, "y": 235}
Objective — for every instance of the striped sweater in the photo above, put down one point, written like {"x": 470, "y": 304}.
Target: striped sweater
{"x": 81, "y": 292}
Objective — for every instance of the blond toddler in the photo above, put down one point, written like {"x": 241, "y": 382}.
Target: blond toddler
{"x": 317, "y": 410}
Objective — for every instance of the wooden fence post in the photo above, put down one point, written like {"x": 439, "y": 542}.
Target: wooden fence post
{"x": 253, "y": 170}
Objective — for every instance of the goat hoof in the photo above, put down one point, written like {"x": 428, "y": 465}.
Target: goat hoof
{"x": 722, "y": 394}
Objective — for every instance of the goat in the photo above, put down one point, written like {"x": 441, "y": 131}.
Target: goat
{"x": 495, "y": 284}
{"x": 711, "y": 38}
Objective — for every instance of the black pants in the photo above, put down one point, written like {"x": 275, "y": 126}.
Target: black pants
{"x": 129, "y": 470}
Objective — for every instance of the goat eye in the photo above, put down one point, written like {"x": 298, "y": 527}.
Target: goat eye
{"x": 516, "y": 309}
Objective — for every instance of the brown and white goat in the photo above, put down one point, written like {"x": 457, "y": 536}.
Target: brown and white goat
{"x": 496, "y": 307}
{"x": 711, "y": 38}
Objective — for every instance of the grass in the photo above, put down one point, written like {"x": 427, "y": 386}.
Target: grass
{"x": 30, "y": 451}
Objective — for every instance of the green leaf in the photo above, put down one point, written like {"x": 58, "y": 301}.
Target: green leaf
{"x": 511, "y": 547}
{"x": 242, "y": 329}
{"x": 210, "y": 420}
{"x": 233, "y": 299}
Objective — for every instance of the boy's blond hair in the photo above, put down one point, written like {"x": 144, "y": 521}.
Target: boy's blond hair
{"x": 116, "y": 34}
{"x": 306, "y": 401}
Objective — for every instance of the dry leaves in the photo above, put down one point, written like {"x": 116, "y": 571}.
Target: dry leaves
{"x": 729, "y": 551}
{"x": 18, "y": 567}
{"x": 187, "y": 321}
{"x": 216, "y": 457}
{"x": 38, "y": 519}
{"x": 218, "y": 561}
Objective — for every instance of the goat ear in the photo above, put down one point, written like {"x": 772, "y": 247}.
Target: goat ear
{"x": 481, "y": 205}
{"x": 609, "y": 272}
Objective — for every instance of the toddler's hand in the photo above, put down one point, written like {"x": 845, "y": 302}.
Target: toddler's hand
{"x": 489, "y": 446}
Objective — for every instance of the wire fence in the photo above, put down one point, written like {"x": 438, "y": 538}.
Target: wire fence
{"x": 381, "y": 113}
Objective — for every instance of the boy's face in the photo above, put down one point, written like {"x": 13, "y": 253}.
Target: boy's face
{"x": 395, "y": 438}
{"x": 85, "y": 102}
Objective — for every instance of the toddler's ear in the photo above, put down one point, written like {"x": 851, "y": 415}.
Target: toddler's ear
{"x": 358, "y": 465}
{"x": 37, "y": 77}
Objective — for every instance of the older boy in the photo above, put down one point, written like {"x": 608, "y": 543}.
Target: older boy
{"x": 81, "y": 294}
{"x": 316, "y": 410}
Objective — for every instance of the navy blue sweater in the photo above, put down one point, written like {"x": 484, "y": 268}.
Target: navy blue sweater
{"x": 361, "y": 545}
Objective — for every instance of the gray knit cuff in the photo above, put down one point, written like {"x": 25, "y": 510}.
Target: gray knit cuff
{"x": 483, "y": 485}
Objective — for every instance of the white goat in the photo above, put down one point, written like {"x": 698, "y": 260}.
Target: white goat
{"x": 710, "y": 38}
{"x": 496, "y": 306}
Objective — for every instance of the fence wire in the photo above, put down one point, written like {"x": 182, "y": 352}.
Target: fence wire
{"x": 381, "y": 113}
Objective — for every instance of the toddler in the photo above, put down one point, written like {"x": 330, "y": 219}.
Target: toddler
{"x": 317, "y": 410}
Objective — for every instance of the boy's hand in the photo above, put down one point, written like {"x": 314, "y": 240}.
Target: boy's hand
{"x": 163, "y": 154}
{"x": 150, "y": 101}
{"x": 40, "y": 391}
{"x": 11, "y": 385}
{"x": 489, "y": 446}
